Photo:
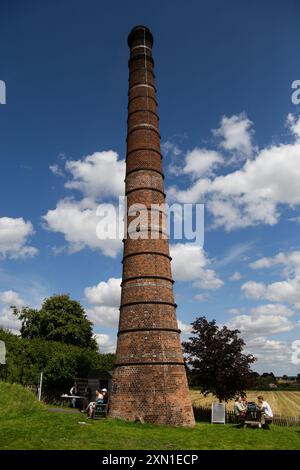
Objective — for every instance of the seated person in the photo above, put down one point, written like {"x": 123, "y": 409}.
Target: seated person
{"x": 92, "y": 406}
{"x": 239, "y": 408}
{"x": 266, "y": 410}
{"x": 101, "y": 404}
{"x": 244, "y": 401}
{"x": 104, "y": 394}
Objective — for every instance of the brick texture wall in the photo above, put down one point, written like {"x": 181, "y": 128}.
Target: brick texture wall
{"x": 149, "y": 381}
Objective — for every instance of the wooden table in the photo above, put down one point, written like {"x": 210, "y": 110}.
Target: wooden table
{"x": 66, "y": 397}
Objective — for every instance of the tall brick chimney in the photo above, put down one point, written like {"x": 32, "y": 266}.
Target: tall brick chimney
{"x": 149, "y": 380}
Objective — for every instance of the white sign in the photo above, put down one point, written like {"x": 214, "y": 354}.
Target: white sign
{"x": 218, "y": 413}
{"x": 2, "y": 352}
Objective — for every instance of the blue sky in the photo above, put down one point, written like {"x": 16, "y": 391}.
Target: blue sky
{"x": 230, "y": 135}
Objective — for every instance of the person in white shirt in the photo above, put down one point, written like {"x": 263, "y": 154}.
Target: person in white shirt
{"x": 73, "y": 391}
{"x": 266, "y": 410}
{"x": 91, "y": 406}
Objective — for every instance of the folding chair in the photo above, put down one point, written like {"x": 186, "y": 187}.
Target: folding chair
{"x": 100, "y": 410}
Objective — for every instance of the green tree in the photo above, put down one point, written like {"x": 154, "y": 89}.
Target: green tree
{"x": 216, "y": 357}
{"x": 60, "y": 319}
{"x": 60, "y": 362}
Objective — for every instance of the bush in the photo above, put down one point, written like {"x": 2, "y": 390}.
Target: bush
{"x": 60, "y": 363}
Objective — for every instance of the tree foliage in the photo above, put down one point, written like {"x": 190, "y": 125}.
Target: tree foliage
{"x": 216, "y": 358}
{"x": 60, "y": 319}
{"x": 60, "y": 363}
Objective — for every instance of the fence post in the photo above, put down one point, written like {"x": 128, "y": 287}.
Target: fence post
{"x": 40, "y": 387}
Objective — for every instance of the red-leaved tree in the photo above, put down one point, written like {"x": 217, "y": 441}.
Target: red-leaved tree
{"x": 215, "y": 356}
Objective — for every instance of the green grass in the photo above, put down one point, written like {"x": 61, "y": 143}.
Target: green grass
{"x": 26, "y": 424}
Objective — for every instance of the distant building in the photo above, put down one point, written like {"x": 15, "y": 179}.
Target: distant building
{"x": 96, "y": 378}
{"x": 273, "y": 386}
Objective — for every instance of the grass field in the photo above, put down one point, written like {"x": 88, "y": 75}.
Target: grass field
{"x": 27, "y": 424}
{"x": 282, "y": 403}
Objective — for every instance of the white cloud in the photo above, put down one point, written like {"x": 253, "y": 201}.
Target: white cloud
{"x": 253, "y": 289}
{"x": 272, "y": 355}
{"x": 235, "y": 276}
{"x": 287, "y": 290}
{"x": 105, "y": 301}
{"x": 26, "y": 291}
{"x": 263, "y": 344}
{"x": 170, "y": 148}
{"x": 78, "y": 221}
{"x": 272, "y": 309}
{"x": 11, "y": 297}
{"x": 14, "y": 236}
{"x": 56, "y": 170}
{"x": 284, "y": 291}
{"x": 105, "y": 293}
{"x": 235, "y": 311}
{"x": 7, "y": 319}
{"x": 260, "y": 324}
{"x": 105, "y": 343}
{"x": 201, "y": 162}
{"x": 173, "y": 151}
{"x": 201, "y": 297}
{"x": 293, "y": 123}
{"x": 189, "y": 263}
{"x": 269, "y": 352}
{"x": 208, "y": 280}
{"x": 184, "y": 327}
{"x": 235, "y": 133}
{"x": 252, "y": 194}
{"x": 102, "y": 315}
{"x": 262, "y": 263}
{"x": 289, "y": 260}
{"x": 235, "y": 253}
{"x": 281, "y": 291}
{"x": 98, "y": 175}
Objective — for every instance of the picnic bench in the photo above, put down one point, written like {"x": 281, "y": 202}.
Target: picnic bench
{"x": 252, "y": 416}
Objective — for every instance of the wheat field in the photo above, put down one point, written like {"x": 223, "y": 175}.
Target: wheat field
{"x": 282, "y": 403}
